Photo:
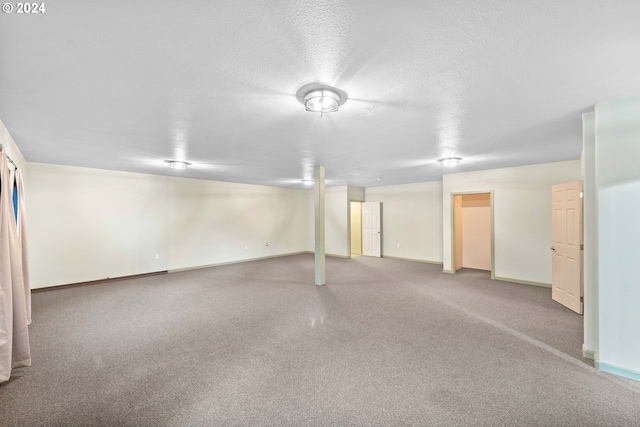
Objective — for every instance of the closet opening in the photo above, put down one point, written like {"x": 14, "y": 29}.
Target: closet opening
{"x": 473, "y": 232}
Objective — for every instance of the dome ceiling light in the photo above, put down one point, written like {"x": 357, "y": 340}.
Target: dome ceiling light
{"x": 177, "y": 164}
{"x": 322, "y": 101}
{"x": 320, "y": 98}
{"x": 450, "y": 161}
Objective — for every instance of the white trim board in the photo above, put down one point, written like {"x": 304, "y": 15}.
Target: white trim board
{"x": 616, "y": 370}
{"x": 523, "y": 282}
{"x": 424, "y": 261}
{"x": 198, "y": 267}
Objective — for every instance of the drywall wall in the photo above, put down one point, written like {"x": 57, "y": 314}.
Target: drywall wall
{"x": 590, "y": 235}
{"x": 355, "y": 194}
{"x": 88, "y": 224}
{"x": 617, "y": 150}
{"x": 214, "y": 222}
{"x": 476, "y": 231}
{"x": 522, "y": 215}
{"x": 337, "y": 221}
{"x": 12, "y": 150}
{"x": 411, "y": 220}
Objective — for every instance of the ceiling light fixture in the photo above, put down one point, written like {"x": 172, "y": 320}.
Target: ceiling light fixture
{"x": 450, "y": 161}
{"x": 308, "y": 181}
{"x": 320, "y": 98}
{"x": 322, "y": 101}
{"x": 177, "y": 164}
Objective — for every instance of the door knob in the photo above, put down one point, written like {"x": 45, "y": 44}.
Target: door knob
{"x": 553, "y": 249}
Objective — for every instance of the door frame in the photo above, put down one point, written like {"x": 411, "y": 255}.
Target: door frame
{"x": 453, "y": 226}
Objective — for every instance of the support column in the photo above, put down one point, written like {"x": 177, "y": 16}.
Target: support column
{"x": 319, "y": 222}
{"x": 617, "y": 180}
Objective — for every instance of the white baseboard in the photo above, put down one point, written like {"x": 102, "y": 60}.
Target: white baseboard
{"x": 588, "y": 354}
{"x": 197, "y": 267}
{"x": 412, "y": 259}
{"x": 523, "y": 282}
{"x": 338, "y": 256}
{"x": 331, "y": 255}
{"x": 617, "y": 370}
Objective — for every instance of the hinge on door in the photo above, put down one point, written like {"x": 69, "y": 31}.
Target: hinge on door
{"x": 582, "y": 246}
{"x": 581, "y": 299}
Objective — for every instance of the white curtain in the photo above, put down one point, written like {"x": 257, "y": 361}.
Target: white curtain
{"x": 15, "y": 293}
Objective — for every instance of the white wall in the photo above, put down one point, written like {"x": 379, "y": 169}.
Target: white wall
{"x": 617, "y": 154}
{"x": 337, "y": 221}
{"x": 12, "y": 150}
{"x": 522, "y": 215}
{"x": 411, "y": 220}
{"x": 88, "y": 224}
{"x": 214, "y": 222}
{"x": 590, "y": 235}
{"x": 355, "y": 194}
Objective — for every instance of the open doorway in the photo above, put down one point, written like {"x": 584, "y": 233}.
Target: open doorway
{"x": 356, "y": 228}
{"x": 473, "y": 231}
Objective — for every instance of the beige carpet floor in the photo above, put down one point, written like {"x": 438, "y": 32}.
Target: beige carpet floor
{"x": 385, "y": 343}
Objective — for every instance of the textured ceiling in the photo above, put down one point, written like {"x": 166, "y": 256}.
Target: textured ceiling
{"x": 125, "y": 85}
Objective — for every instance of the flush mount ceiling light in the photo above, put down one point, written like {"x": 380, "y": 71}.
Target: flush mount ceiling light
{"x": 308, "y": 181}
{"x": 177, "y": 164}
{"x": 322, "y": 101}
{"x": 450, "y": 161}
{"x": 320, "y": 98}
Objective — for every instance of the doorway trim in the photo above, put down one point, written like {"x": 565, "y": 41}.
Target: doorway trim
{"x": 453, "y": 229}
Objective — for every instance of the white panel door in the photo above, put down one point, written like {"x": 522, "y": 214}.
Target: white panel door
{"x": 566, "y": 276}
{"x": 371, "y": 229}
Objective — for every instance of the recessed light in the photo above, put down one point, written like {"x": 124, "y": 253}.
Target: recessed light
{"x": 177, "y": 164}
{"x": 450, "y": 161}
{"x": 378, "y": 179}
